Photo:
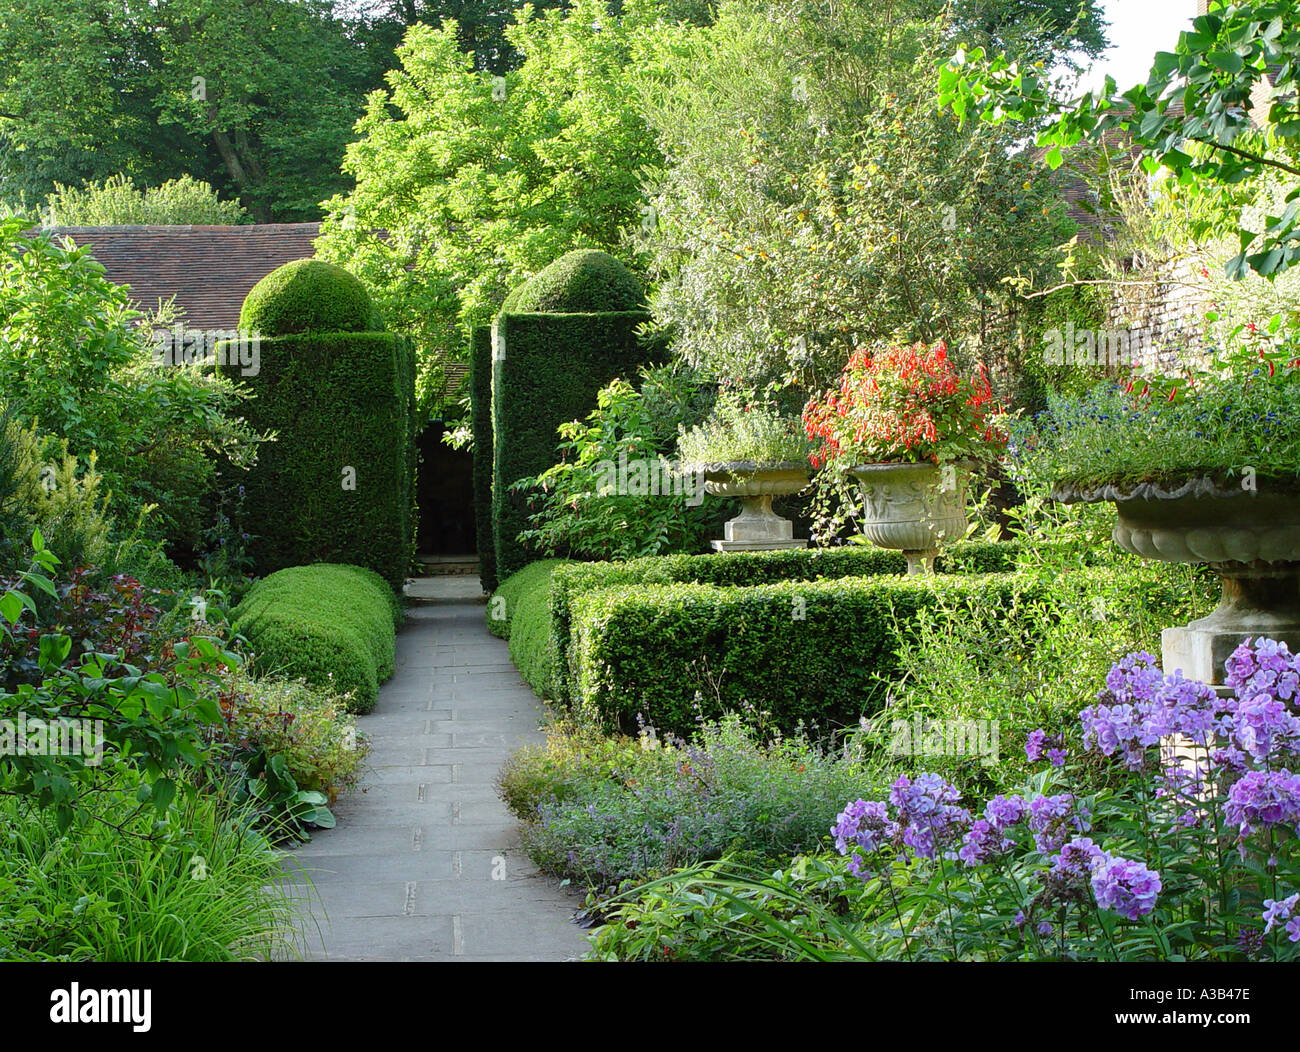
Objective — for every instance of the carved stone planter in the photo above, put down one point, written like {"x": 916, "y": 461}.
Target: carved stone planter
{"x": 757, "y": 528}
{"x": 913, "y": 507}
{"x": 1250, "y": 538}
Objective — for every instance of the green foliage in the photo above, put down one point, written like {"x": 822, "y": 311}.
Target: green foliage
{"x": 520, "y": 611}
{"x": 71, "y": 363}
{"x": 726, "y": 911}
{"x": 259, "y": 100}
{"x": 480, "y": 393}
{"x": 605, "y": 810}
{"x": 304, "y": 296}
{"x": 1216, "y": 67}
{"x": 740, "y": 430}
{"x": 593, "y": 504}
{"x": 309, "y": 727}
{"x": 583, "y": 281}
{"x": 331, "y": 625}
{"x": 43, "y": 489}
{"x": 747, "y": 569}
{"x": 103, "y": 708}
{"x": 338, "y": 484}
{"x": 466, "y": 185}
{"x": 815, "y": 199}
{"x": 546, "y": 370}
{"x": 817, "y": 654}
{"x": 118, "y": 202}
{"x": 193, "y": 883}
{"x": 968, "y": 661}
{"x": 1236, "y": 417}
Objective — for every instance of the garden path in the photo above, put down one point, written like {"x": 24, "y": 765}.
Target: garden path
{"x": 425, "y": 863}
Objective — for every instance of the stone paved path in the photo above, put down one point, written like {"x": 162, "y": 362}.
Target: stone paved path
{"x": 425, "y": 863}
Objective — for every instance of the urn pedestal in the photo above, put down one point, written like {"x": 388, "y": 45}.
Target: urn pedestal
{"x": 913, "y": 507}
{"x": 757, "y": 528}
{"x": 1250, "y": 538}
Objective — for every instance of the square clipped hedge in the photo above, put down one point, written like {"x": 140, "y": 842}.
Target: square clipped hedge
{"x": 480, "y": 399}
{"x": 546, "y": 370}
{"x": 821, "y": 653}
{"x": 748, "y": 568}
{"x": 337, "y": 400}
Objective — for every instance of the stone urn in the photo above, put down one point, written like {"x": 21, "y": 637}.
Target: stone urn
{"x": 913, "y": 507}
{"x": 757, "y": 528}
{"x": 1250, "y": 537}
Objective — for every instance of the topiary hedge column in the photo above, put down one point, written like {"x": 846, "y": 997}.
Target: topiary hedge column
{"x": 560, "y": 338}
{"x": 338, "y": 484}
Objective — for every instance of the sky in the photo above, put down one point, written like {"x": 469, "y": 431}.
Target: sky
{"x": 1138, "y": 29}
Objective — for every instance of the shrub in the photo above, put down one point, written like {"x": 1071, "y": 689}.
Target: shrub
{"x": 329, "y": 624}
{"x": 546, "y": 371}
{"x": 43, "y": 488}
{"x": 73, "y": 362}
{"x": 308, "y": 726}
{"x": 307, "y": 295}
{"x": 520, "y": 611}
{"x": 748, "y": 568}
{"x": 809, "y": 653}
{"x": 337, "y": 485}
{"x": 739, "y": 429}
{"x": 117, "y": 201}
{"x": 593, "y": 503}
{"x": 584, "y": 281}
{"x": 601, "y": 810}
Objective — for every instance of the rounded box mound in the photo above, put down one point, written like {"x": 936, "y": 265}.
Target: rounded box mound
{"x": 580, "y": 282}
{"x": 308, "y": 295}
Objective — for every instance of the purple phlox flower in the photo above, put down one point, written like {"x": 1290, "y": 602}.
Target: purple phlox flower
{"x": 1004, "y": 811}
{"x": 1279, "y": 911}
{"x": 1262, "y": 725}
{"x": 1056, "y": 757}
{"x": 1111, "y": 728}
{"x": 1267, "y": 659}
{"x": 1020, "y": 918}
{"x": 1044, "y": 929}
{"x": 1053, "y": 819}
{"x": 1263, "y": 798}
{"x": 1077, "y": 857}
{"x": 1034, "y": 745}
{"x": 1126, "y": 886}
{"x": 981, "y": 843}
{"x": 863, "y": 824}
{"x": 929, "y": 814}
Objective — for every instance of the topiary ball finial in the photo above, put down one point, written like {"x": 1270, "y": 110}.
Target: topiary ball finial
{"x": 584, "y": 281}
{"x": 307, "y": 295}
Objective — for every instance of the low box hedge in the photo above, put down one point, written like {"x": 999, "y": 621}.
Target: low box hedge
{"x": 818, "y": 653}
{"x": 330, "y": 624}
{"x": 748, "y": 569}
{"x": 520, "y": 611}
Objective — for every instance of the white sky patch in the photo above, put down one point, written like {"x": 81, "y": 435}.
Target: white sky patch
{"x": 1138, "y": 29}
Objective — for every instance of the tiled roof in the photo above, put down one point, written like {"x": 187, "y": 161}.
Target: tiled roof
{"x": 209, "y": 269}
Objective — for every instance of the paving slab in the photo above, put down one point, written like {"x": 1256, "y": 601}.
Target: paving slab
{"x": 425, "y": 863}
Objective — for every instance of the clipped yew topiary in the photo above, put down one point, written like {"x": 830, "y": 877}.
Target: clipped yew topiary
{"x": 307, "y": 295}
{"x": 584, "y": 281}
{"x": 560, "y": 338}
{"x": 338, "y": 483}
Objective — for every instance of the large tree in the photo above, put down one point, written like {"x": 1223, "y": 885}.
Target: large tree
{"x": 816, "y": 198}
{"x": 256, "y": 97}
{"x": 467, "y": 183}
